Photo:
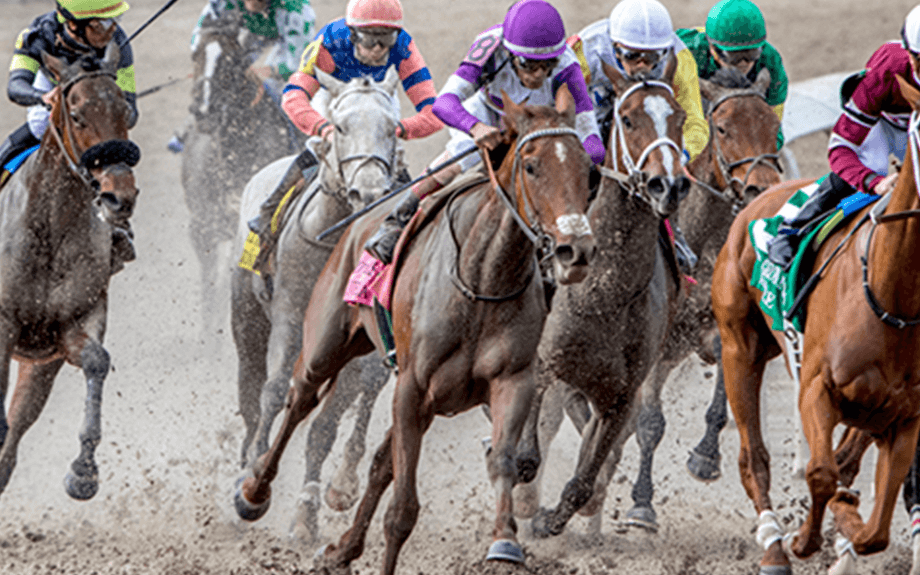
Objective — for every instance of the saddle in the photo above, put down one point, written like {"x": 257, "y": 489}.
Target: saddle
{"x": 10, "y": 168}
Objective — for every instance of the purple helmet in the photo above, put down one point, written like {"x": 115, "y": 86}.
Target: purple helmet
{"x": 533, "y": 29}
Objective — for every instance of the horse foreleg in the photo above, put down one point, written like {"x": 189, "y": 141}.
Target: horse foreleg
{"x": 705, "y": 459}
{"x": 895, "y": 456}
{"x": 29, "y": 397}
{"x": 344, "y": 488}
{"x": 511, "y": 399}
{"x": 849, "y": 453}
{"x": 82, "y": 482}
{"x": 543, "y": 423}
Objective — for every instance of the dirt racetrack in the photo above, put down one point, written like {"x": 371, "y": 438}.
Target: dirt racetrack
{"x": 171, "y": 432}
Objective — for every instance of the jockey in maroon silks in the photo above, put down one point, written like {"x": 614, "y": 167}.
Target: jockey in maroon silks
{"x": 526, "y": 57}
{"x": 872, "y": 126}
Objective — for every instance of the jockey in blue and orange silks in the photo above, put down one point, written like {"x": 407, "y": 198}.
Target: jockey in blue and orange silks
{"x": 527, "y": 58}
{"x": 873, "y": 126}
{"x": 367, "y": 42}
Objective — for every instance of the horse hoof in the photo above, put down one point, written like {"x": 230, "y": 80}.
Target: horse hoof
{"x": 244, "y": 508}
{"x": 340, "y": 500}
{"x": 643, "y": 517}
{"x": 775, "y": 570}
{"x": 81, "y": 488}
{"x": 505, "y": 550}
{"x": 703, "y": 468}
{"x": 541, "y": 525}
{"x": 845, "y": 565}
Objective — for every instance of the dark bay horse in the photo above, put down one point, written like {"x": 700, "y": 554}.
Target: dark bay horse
{"x": 237, "y": 130}
{"x": 56, "y": 215}
{"x": 358, "y": 165}
{"x": 859, "y": 361}
{"x": 604, "y": 334}
{"x": 468, "y": 309}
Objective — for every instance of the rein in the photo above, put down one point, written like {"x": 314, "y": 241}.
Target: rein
{"x": 533, "y": 232}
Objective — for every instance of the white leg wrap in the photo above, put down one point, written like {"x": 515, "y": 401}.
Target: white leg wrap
{"x": 310, "y": 493}
{"x": 769, "y": 531}
{"x": 843, "y": 545}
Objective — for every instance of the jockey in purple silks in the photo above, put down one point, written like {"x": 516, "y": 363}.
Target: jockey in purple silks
{"x": 872, "y": 126}
{"x": 526, "y": 57}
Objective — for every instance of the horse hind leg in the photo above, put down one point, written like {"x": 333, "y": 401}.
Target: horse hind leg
{"x": 705, "y": 460}
{"x": 911, "y": 492}
{"x": 29, "y": 397}
{"x": 344, "y": 489}
{"x": 82, "y": 482}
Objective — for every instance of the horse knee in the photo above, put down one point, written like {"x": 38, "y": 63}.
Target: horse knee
{"x": 822, "y": 482}
{"x": 577, "y": 493}
{"x": 95, "y": 361}
{"x": 650, "y": 427}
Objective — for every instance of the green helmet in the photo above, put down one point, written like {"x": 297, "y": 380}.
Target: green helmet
{"x": 736, "y": 25}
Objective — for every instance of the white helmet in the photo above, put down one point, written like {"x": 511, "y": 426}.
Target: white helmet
{"x": 641, "y": 25}
{"x": 910, "y": 32}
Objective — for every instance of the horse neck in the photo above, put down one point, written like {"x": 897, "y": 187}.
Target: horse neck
{"x": 705, "y": 167}
{"x": 56, "y": 195}
{"x": 895, "y": 247}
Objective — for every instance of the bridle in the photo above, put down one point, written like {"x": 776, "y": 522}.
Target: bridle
{"x": 725, "y": 167}
{"x": 635, "y": 181}
{"x": 100, "y": 155}
{"x": 530, "y": 226}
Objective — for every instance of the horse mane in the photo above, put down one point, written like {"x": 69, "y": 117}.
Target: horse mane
{"x": 730, "y": 78}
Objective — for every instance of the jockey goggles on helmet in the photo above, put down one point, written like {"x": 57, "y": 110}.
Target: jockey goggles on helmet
{"x": 533, "y": 65}
{"x": 736, "y": 57}
{"x": 650, "y": 57}
{"x": 368, "y": 38}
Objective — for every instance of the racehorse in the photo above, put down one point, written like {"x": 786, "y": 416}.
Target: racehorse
{"x": 467, "y": 309}
{"x": 357, "y": 167}
{"x": 859, "y": 362}
{"x": 632, "y": 290}
{"x": 56, "y": 218}
{"x": 237, "y": 130}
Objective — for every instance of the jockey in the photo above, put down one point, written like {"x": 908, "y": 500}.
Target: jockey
{"x": 285, "y": 25}
{"x": 527, "y": 57}
{"x": 75, "y": 29}
{"x": 735, "y": 37}
{"x": 367, "y": 42}
{"x": 872, "y": 127}
{"x": 638, "y": 40}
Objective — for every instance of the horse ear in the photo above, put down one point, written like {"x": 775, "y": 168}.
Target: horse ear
{"x": 710, "y": 90}
{"x": 54, "y": 65}
{"x": 911, "y": 94}
{"x": 512, "y": 113}
{"x": 620, "y": 83}
{"x": 391, "y": 80}
{"x": 762, "y": 82}
{"x": 112, "y": 56}
{"x": 670, "y": 69}
{"x": 565, "y": 104}
{"x": 334, "y": 85}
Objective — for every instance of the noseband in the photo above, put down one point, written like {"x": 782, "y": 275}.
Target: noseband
{"x": 101, "y": 155}
{"x": 635, "y": 181}
{"x": 533, "y": 231}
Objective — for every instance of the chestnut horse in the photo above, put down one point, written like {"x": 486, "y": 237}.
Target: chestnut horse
{"x": 859, "y": 361}
{"x": 468, "y": 308}
{"x": 56, "y": 215}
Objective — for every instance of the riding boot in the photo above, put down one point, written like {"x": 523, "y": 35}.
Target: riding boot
{"x": 122, "y": 245}
{"x": 383, "y": 242}
{"x": 304, "y": 166}
{"x": 782, "y": 249}
{"x": 686, "y": 259}
{"x": 16, "y": 143}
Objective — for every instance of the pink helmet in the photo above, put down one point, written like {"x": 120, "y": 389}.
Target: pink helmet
{"x": 533, "y": 29}
{"x": 368, "y": 13}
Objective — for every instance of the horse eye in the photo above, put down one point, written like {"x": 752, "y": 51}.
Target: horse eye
{"x": 530, "y": 168}
{"x": 721, "y": 130}
{"x": 626, "y": 123}
{"x": 76, "y": 119}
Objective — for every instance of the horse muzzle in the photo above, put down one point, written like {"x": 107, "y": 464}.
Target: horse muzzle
{"x": 572, "y": 258}
{"x": 667, "y": 193}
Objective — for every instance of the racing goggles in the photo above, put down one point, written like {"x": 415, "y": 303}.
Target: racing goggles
{"x": 101, "y": 25}
{"x": 530, "y": 65}
{"x": 650, "y": 57}
{"x": 385, "y": 37}
{"x": 738, "y": 57}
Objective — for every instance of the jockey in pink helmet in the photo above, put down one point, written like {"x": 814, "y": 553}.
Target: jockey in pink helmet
{"x": 526, "y": 57}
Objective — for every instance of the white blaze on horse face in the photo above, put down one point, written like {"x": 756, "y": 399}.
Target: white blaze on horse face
{"x": 212, "y": 55}
{"x": 574, "y": 225}
{"x": 560, "y": 152}
{"x": 658, "y": 110}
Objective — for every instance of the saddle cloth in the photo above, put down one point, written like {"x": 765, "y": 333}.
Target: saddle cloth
{"x": 252, "y": 248}
{"x": 780, "y": 288}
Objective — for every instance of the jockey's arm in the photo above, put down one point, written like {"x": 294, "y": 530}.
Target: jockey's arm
{"x": 124, "y": 76}
{"x": 448, "y": 106}
{"x": 846, "y": 138}
{"x": 19, "y": 89}
{"x": 296, "y": 27}
{"x": 687, "y": 94}
{"x": 419, "y": 87}
{"x": 585, "y": 120}
{"x": 302, "y": 86}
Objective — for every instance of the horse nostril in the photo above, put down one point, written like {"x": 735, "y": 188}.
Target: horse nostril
{"x": 751, "y": 192}
{"x": 354, "y": 197}
{"x": 656, "y": 186}
{"x": 565, "y": 254}
{"x": 682, "y": 187}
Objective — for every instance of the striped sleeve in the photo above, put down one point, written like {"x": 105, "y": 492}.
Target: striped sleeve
{"x": 302, "y": 86}
{"x": 419, "y": 87}
{"x": 687, "y": 94}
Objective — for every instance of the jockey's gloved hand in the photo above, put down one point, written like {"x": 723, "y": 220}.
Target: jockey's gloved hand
{"x": 684, "y": 157}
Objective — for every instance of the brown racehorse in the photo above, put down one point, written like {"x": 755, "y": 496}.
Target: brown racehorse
{"x": 468, "y": 308}
{"x": 860, "y": 363}
{"x": 55, "y": 241}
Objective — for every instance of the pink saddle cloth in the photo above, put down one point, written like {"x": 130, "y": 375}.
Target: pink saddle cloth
{"x": 372, "y": 279}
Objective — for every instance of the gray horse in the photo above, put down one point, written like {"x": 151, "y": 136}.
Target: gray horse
{"x": 237, "y": 129}
{"x": 358, "y": 166}
{"x": 56, "y": 216}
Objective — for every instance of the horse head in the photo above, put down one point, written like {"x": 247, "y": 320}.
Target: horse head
{"x": 547, "y": 171}
{"x": 741, "y": 158}
{"x": 644, "y": 141}
{"x": 221, "y": 81}
{"x": 89, "y": 122}
{"x": 362, "y": 157}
